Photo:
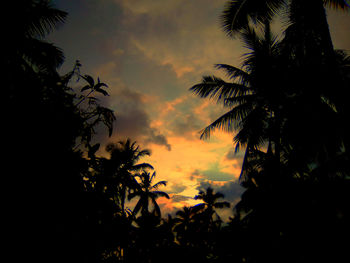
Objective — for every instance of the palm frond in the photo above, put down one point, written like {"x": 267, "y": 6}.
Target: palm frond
{"x": 217, "y": 89}
{"x": 158, "y": 184}
{"x": 253, "y": 122}
{"x": 227, "y": 122}
{"x": 200, "y": 195}
{"x": 141, "y": 166}
{"x": 239, "y": 100}
{"x": 234, "y": 72}
{"x": 250, "y": 38}
{"x": 234, "y": 16}
{"x": 161, "y": 194}
{"x": 198, "y": 208}
{"x": 43, "y": 18}
{"x": 143, "y": 153}
{"x": 239, "y": 13}
{"x": 152, "y": 176}
{"x": 45, "y": 56}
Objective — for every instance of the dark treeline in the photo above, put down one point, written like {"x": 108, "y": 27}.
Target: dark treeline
{"x": 286, "y": 104}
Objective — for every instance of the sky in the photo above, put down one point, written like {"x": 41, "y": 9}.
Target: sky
{"x": 150, "y": 52}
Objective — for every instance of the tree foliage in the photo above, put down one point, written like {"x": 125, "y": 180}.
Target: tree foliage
{"x": 287, "y": 110}
{"x": 282, "y": 106}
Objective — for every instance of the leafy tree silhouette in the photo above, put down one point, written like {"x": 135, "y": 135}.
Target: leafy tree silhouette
{"x": 152, "y": 235}
{"x": 148, "y": 193}
{"x": 43, "y": 124}
{"x": 68, "y": 204}
{"x": 185, "y": 225}
{"x": 26, "y": 46}
{"x": 210, "y": 203}
{"x": 309, "y": 53}
{"x": 254, "y": 98}
{"x": 308, "y": 16}
{"x": 116, "y": 176}
{"x": 109, "y": 183}
{"x": 286, "y": 151}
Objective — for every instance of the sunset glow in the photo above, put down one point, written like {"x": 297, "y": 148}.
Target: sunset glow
{"x": 150, "y": 53}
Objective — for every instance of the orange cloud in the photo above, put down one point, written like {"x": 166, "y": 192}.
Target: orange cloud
{"x": 178, "y": 165}
{"x": 182, "y": 70}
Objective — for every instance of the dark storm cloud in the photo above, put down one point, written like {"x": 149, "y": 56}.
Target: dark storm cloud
{"x": 155, "y": 137}
{"x": 133, "y": 121}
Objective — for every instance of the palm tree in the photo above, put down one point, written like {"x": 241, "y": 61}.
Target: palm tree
{"x": 25, "y": 44}
{"x": 308, "y": 32}
{"x": 210, "y": 203}
{"x": 184, "y": 225}
{"x": 184, "y": 218}
{"x": 254, "y": 97}
{"x": 116, "y": 175}
{"x": 238, "y": 14}
{"x": 148, "y": 193}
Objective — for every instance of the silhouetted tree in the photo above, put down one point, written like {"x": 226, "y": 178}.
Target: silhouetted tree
{"x": 152, "y": 236}
{"x": 26, "y": 46}
{"x": 43, "y": 124}
{"x": 255, "y": 96}
{"x": 108, "y": 183}
{"x": 148, "y": 193}
{"x": 185, "y": 226}
{"x": 291, "y": 155}
{"x": 210, "y": 203}
{"x": 116, "y": 175}
{"x": 308, "y": 16}
{"x": 308, "y": 52}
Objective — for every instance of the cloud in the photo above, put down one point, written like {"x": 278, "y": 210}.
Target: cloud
{"x": 231, "y": 155}
{"x": 155, "y": 137}
{"x": 176, "y": 188}
{"x": 214, "y": 172}
{"x": 186, "y": 123}
{"x": 150, "y": 52}
{"x": 170, "y": 33}
{"x": 133, "y": 121}
{"x": 176, "y": 202}
{"x": 196, "y": 175}
{"x": 180, "y": 198}
{"x": 237, "y": 158}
